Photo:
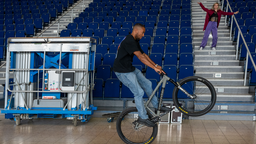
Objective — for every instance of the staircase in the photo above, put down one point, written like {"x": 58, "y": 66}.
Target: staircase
{"x": 222, "y": 69}
{"x": 65, "y": 19}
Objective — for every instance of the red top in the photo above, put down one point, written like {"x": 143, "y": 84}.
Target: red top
{"x": 210, "y": 12}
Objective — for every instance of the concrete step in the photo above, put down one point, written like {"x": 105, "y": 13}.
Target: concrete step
{"x": 226, "y": 115}
{"x": 219, "y": 68}
{"x": 209, "y": 42}
{"x": 3, "y": 74}
{"x": 218, "y": 47}
{"x": 221, "y": 75}
{"x": 224, "y": 82}
{"x": 195, "y": 21}
{"x": 226, "y": 90}
{"x": 214, "y": 52}
{"x": 220, "y": 34}
{"x": 216, "y": 63}
{"x": 219, "y": 31}
{"x": 214, "y": 57}
{"x": 220, "y": 38}
{"x": 202, "y": 24}
{"x": 202, "y": 27}
{"x": 227, "y": 106}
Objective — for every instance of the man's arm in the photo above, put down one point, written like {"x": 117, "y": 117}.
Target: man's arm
{"x": 145, "y": 60}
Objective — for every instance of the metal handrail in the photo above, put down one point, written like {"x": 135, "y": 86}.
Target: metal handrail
{"x": 59, "y": 18}
{"x": 242, "y": 36}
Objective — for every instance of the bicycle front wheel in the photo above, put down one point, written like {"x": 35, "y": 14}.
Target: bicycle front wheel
{"x": 132, "y": 132}
{"x": 203, "y": 92}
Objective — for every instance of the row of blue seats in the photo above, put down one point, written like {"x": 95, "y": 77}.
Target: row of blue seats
{"x": 33, "y": 4}
{"x": 122, "y": 32}
{"x": 112, "y": 86}
{"x": 152, "y": 1}
{"x": 38, "y": 22}
{"x": 251, "y": 29}
{"x": 105, "y": 72}
{"x": 246, "y": 15}
{"x": 129, "y": 25}
{"x": 141, "y": 12}
{"x": 251, "y": 46}
{"x": 169, "y": 59}
{"x": 141, "y": 3}
{"x": 248, "y": 4}
{"x": 156, "y": 48}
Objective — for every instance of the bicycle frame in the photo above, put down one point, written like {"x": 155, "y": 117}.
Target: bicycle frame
{"x": 163, "y": 82}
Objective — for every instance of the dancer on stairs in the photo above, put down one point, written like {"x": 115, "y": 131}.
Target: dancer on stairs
{"x": 211, "y": 24}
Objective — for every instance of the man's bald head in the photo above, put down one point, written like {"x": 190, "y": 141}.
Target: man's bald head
{"x": 138, "y": 31}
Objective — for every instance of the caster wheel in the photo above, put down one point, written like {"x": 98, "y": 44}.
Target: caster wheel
{"x": 17, "y": 120}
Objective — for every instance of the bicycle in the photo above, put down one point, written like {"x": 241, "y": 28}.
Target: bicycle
{"x": 194, "y": 87}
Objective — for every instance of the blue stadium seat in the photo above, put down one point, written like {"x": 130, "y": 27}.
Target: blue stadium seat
{"x": 246, "y": 15}
{"x": 112, "y": 88}
{"x": 253, "y": 77}
{"x": 152, "y": 74}
{"x": 88, "y": 19}
{"x": 151, "y": 19}
{"x": 173, "y": 39}
{"x": 98, "y": 19}
{"x": 59, "y": 8}
{"x": 99, "y": 33}
{"x": 103, "y": 72}
{"x": 143, "y": 13}
{"x": 38, "y": 24}
{"x": 120, "y": 3}
{"x": 30, "y": 30}
{"x": 133, "y": 13}
{"x": 119, "y": 39}
{"x": 97, "y": 9}
{"x": 107, "y": 40}
{"x": 166, "y": 7}
{"x": 171, "y": 48}
{"x": 93, "y": 14}
{"x": 146, "y": 39}
{"x": 164, "y": 18}
{"x": 8, "y": 16}
{"x": 153, "y": 12}
{"x": 113, "y": 13}
{"x": 127, "y": 8}
{"x": 116, "y": 8}
{"x": 113, "y": 48}
{"x": 165, "y": 12}
{"x": 104, "y": 25}
{"x": 83, "y": 14}
{"x": 102, "y": 49}
{"x": 82, "y": 25}
{"x": 136, "y": 61}
{"x": 170, "y": 59}
{"x": 144, "y": 47}
{"x": 36, "y": 15}
{"x": 169, "y": 86}
{"x": 185, "y": 11}
{"x": 251, "y": 47}
{"x": 46, "y": 18}
{"x": 9, "y": 27}
{"x": 175, "y": 11}
{"x": 29, "y": 21}
{"x": 53, "y": 13}
{"x": 250, "y": 22}
{"x": 247, "y": 38}
{"x": 20, "y": 33}
{"x": 174, "y": 17}
{"x": 88, "y": 32}
{"x": 150, "y": 24}
{"x": 186, "y": 6}
{"x": 176, "y": 6}
{"x": 158, "y": 48}
{"x": 120, "y": 18}
{"x": 162, "y": 24}
{"x": 109, "y": 59}
{"x": 8, "y": 21}
{"x": 186, "y": 59}
{"x": 157, "y": 58}
{"x": 185, "y": 71}
{"x": 112, "y": 32}
{"x": 9, "y": 34}
{"x": 141, "y": 18}
{"x": 186, "y": 31}
{"x": 185, "y": 39}
{"x": 127, "y": 25}
{"x": 161, "y": 31}
{"x": 116, "y": 25}
{"x": 93, "y": 25}
{"x": 243, "y": 9}
{"x": 138, "y": 3}
{"x": 78, "y": 20}
{"x": 76, "y": 33}
{"x": 98, "y": 60}
{"x": 98, "y": 88}
{"x": 185, "y": 24}
{"x": 252, "y": 30}
{"x": 157, "y": 2}
{"x": 149, "y": 31}
{"x": 20, "y": 27}
{"x": 97, "y": 39}
{"x": 145, "y": 8}
{"x": 107, "y": 8}
{"x": 250, "y": 66}
{"x": 65, "y": 33}
{"x": 159, "y": 39}
{"x": 130, "y": 19}
{"x": 1, "y": 45}
{"x": 72, "y": 26}
{"x": 27, "y": 16}
{"x": 126, "y": 31}
{"x": 174, "y": 23}
{"x": 123, "y": 13}
{"x": 109, "y": 19}
{"x": 242, "y": 28}
{"x": 173, "y": 31}
{"x": 186, "y": 48}
{"x": 185, "y": 17}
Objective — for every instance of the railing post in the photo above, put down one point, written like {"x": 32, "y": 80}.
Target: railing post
{"x": 58, "y": 30}
{"x": 237, "y": 44}
{"x": 226, "y": 16}
{"x": 222, "y": 5}
{"x": 72, "y": 16}
{"x": 246, "y": 67}
{"x": 231, "y": 28}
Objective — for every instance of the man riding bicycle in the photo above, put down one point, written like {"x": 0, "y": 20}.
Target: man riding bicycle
{"x": 132, "y": 77}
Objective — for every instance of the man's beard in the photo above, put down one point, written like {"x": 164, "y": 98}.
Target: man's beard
{"x": 137, "y": 38}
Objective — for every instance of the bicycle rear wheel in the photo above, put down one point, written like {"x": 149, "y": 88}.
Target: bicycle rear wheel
{"x": 131, "y": 132}
{"x": 202, "y": 89}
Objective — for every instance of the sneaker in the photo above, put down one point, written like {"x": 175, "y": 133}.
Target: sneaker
{"x": 213, "y": 48}
{"x": 146, "y": 122}
{"x": 201, "y": 48}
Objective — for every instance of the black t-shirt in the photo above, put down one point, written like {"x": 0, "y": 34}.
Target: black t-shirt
{"x": 123, "y": 61}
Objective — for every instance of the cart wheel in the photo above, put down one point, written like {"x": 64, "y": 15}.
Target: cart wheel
{"x": 75, "y": 121}
{"x": 17, "y": 120}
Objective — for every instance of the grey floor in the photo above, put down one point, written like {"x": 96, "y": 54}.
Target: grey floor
{"x": 99, "y": 131}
